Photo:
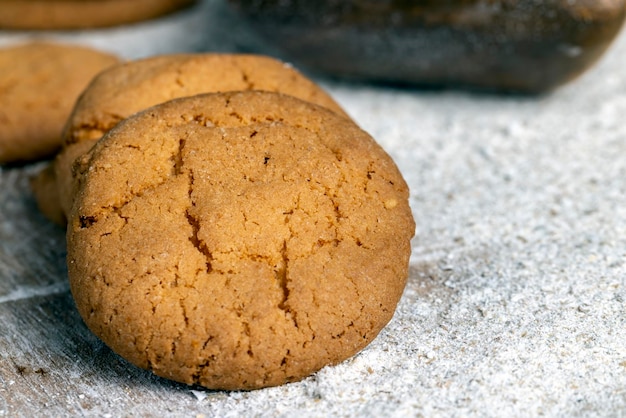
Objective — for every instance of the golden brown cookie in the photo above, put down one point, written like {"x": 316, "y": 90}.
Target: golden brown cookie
{"x": 39, "y": 83}
{"x": 81, "y": 14}
{"x": 45, "y": 189}
{"x": 238, "y": 240}
{"x": 137, "y": 85}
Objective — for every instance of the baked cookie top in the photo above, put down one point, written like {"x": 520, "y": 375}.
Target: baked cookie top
{"x": 238, "y": 240}
{"x": 39, "y": 83}
{"x": 82, "y": 14}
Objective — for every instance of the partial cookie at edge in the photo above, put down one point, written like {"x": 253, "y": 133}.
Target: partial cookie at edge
{"x": 39, "y": 83}
{"x": 84, "y": 14}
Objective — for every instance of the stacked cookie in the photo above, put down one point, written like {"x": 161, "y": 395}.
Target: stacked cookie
{"x": 228, "y": 225}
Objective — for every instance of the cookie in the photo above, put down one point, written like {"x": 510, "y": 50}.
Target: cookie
{"x": 39, "y": 83}
{"x": 45, "y": 189}
{"x": 137, "y": 85}
{"x": 238, "y": 240}
{"x": 81, "y": 14}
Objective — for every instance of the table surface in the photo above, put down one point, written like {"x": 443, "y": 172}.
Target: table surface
{"x": 516, "y": 300}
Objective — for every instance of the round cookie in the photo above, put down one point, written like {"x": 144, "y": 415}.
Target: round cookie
{"x": 39, "y": 83}
{"x": 137, "y": 85}
{"x": 238, "y": 240}
{"x": 81, "y": 14}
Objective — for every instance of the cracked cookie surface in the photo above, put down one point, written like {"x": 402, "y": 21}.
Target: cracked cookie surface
{"x": 238, "y": 240}
{"x": 39, "y": 83}
{"x": 137, "y": 85}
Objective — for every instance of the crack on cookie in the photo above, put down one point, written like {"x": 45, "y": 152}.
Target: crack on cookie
{"x": 358, "y": 298}
{"x": 336, "y": 152}
{"x": 198, "y": 118}
{"x": 323, "y": 242}
{"x": 196, "y": 376}
{"x": 207, "y": 341}
{"x": 179, "y": 78}
{"x": 245, "y": 77}
{"x": 177, "y": 158}
{"x": 288, "y": 215}
{"x": 94, "y": 129}
{"x": 181, "y": 303}
{"x": 369, "y": 177}
{"x": 149, "y": 365}
{"x": 310, "y": 333}
{"x": 118, "y": 212}
{"x": 246, "y": 331}
{"x": 132, "y": 146}
{"x": 333, "y": 197}
{"x": 197, "y": 242}
{"x": 233, "y": 113}
{"x": 269, "y": 119}
{"x": 194, "y": 222}
{"x": 341, "y": 334}
{"x": 87, "y": 221}
{"x": 177, "y": 278}
{"x": 282, "y": 278}
{"x": 148, "y": 349}
{"x": 338, "y": 214}
{"x": 246, "y": 80}
{"x": 237, "y": 116}
{"x": 112, "y": 315}
{"x": 178, "y": 338}
{"x": 389, "y": 202}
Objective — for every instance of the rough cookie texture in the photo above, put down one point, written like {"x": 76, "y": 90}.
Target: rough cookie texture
{"x": 81, "y": 14}
{"x": 238, "y": 240}
{"x": 137, "y": 85}
{"x": 39, "y": 83}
